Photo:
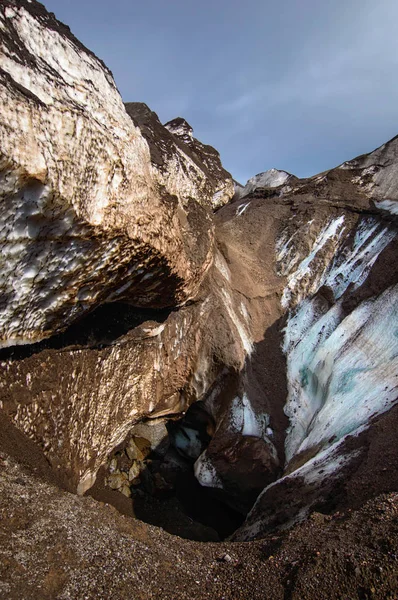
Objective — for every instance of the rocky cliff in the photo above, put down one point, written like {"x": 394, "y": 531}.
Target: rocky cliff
{"x": 220, "y": 374}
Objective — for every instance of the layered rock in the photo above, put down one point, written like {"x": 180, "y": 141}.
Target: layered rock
{"x": 89, "y": 215}
{"x": 208, "y": 157}
{"x": 289, "y": 337}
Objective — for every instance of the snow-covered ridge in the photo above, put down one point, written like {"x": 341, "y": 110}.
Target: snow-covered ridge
{"x": 181, "y": 128}
{"x": 269, "y": 179}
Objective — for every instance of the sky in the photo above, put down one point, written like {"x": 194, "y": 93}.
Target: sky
{"x": 299, "y": 85}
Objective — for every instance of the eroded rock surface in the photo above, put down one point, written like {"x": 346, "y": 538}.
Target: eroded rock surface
{"x": 281, "y": 320}
{"x": 207, "y": 156}
{"x": 88, "y": 214}
{"x": 306, "y": 264}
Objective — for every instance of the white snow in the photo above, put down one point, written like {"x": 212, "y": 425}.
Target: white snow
{"x": 221, "y": 264}
{"x": 244, "y": 336}
{"x": 271, "y": 179}
{"x": 245, "y": 421}
{"x": 205, "y": 472}
{"x": 341, "y": 372}
{"x": 242, "y": 208}
{"x": 329, "y": 232}
{"x": 390, "y": 206}
{"x": 350, "y": 262}
{"x": 352, "y": 265}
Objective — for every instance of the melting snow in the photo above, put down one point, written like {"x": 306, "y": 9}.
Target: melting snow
{"x": 327, "y": 233}
{"x": 271, "y": 179}
{"x": 241, "y": 209}
{"x": 353, "y": 264}
{"x": 245, "y": 421}
{"x": 390, "y": 206}
{"x": 205, "y": 472}
{"x": 243, "y": 335}
{"x": 341, "y": 372}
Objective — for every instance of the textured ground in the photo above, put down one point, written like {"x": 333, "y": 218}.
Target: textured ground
{"x": 56, "y": 545}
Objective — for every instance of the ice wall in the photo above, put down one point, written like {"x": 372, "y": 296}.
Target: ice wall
{"x": 342, "y": 369}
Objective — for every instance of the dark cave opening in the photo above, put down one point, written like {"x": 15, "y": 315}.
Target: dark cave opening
{"x": 155, "y": 469}
{"x": 169, "y": 496}
{"x": 97, "y": 329}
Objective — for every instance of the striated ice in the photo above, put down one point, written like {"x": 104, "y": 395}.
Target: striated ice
{"x": 341, "y": 372}
{"x": 390, "y": 206}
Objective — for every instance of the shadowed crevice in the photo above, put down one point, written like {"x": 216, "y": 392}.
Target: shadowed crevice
{"x": 100, "y": 328}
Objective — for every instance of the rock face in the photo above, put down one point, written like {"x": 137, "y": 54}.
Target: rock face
{"x": 289, "y": 339}
{"x": 273, "y": 178}
{"x": 209, "y": 158}
{"x": 88, "y": 214}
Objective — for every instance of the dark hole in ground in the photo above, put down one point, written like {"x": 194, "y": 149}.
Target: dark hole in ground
{"x": 98, "y": 329}
{"x": 187, "y": 509}
{"x": 162, "y": 482}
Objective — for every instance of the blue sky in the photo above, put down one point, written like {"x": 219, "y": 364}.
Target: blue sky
{"x": 300, "y": 85}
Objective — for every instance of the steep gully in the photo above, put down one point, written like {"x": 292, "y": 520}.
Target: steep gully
{"x": 234, "y": 440}
{"x": 269, "y": 325}
{"x": 230, "y": 461}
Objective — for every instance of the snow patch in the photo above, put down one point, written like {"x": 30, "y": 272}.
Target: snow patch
{"x": 352, "y": 264}
{"x": 221, "y": 264}
{"x": 329, "y": 232}
{"x": 341, "y": 371}
{"x": 243, "y": 335}
{"x": 242, "y": 208}
{"x": 390, "y": 206}
{"x": 205, "y": 472}
{"x": 269, "y": 179}
{"x": 245, "y": 421}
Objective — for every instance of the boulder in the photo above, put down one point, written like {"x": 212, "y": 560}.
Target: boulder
{"x": 88, "y": 216}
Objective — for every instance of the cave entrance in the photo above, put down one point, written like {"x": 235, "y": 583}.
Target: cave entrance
{"x": 99, "y": 328}
{"x": 155, "y": 470}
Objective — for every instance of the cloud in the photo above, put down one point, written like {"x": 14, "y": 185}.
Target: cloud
{"x": 296, "y": 85}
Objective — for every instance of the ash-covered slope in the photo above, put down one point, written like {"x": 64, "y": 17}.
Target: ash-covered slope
{"x": 278, "y": 313}
{"x": 337, "y": 251}
{"x": 57, "y": 545}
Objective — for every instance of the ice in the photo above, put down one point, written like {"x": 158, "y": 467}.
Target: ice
{"x": 341, "y": 371}
{"x": 350, "y": 264}
{"x": 205, "y": 472}
{"x": 390, "y": 206}
{"x": 271, "y": 179}
{"x": 187, "y": 440}
{"x": 221, "y": 264}
{"x": 329, "y": 232}
{"x": 244, "y": 336}
{"x": 353, "y": 264}
{"x": 241, "y": 209}
{"x": 245, "y": 421}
